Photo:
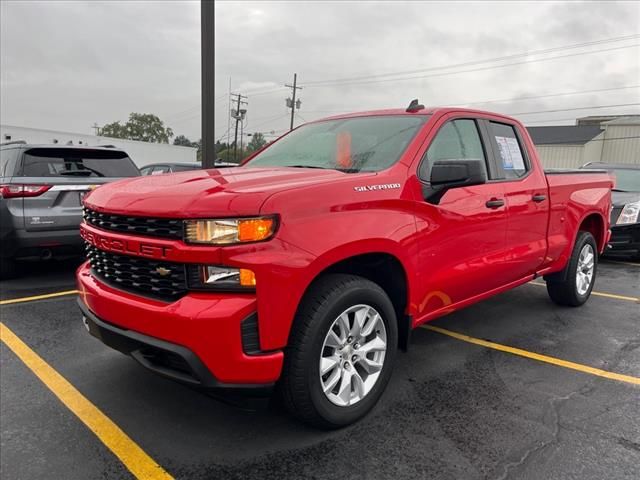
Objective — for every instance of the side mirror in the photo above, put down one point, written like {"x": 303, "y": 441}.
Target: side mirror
{"x": 451, "y": 174}
{"x": 457, "y": 173}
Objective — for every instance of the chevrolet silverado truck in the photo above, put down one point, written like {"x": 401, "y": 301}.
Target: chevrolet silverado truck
{"x": 307, "y": 267}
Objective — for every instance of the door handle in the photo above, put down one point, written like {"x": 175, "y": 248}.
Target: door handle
{"x": 495, "y": 203}
{"x": 539, "y": 198}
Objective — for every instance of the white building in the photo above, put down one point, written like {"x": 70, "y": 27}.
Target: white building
{"x": 610, "y": 139}
{"x": 142, "y": 153}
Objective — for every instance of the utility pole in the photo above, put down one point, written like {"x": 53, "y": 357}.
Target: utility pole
{"x": 292, "y": 103}
{"x": 238, "y": 114}
{"x": 96, "y": 128}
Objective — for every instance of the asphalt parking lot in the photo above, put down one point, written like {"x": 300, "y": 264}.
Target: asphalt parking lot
{"x": 456, "y": 408}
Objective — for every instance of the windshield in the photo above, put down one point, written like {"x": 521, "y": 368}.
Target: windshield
{"x": 60, "y": 162}
{"x": 362, "y": 144}
{"x": 627, "y": 179}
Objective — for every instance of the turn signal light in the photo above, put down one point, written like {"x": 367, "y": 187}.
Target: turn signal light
{"x": 255, "y": 229}
{"x": 247, "y": 278}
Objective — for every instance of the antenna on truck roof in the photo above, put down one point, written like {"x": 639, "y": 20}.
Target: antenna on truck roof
{"x": 414, "y": 106}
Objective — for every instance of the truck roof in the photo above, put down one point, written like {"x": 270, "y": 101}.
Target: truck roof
{"x": 425, "y": 111}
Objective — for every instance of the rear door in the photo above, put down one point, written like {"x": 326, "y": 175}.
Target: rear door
{"x": 69, "y": 173}
{"x": 526, "y": 194}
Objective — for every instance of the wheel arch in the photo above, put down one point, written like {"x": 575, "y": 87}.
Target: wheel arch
{"x": 385, "y": 269}
{"x": 595, "y": 225}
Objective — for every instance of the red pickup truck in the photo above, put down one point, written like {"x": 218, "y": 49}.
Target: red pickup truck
{"x": 307, "y": 267}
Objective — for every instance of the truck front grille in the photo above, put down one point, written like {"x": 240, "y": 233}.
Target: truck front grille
{"x": 153, "y": 227}
{"x": 161, "y": 280}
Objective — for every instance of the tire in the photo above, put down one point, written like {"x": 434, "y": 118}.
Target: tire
{"x": 7, "y": 268}
{"x": 301, "y": 385}
{"x": 566, "y": 288}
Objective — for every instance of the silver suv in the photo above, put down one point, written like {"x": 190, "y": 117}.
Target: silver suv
{"x": 41, "y": 189}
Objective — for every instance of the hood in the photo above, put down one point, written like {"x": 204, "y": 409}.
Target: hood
{"x": 239, "y": 191}
{"x": 620, "y": 199}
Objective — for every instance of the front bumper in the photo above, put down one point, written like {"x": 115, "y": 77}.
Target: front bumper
{"x": 624, "y": 241}
{"x": 196, "y": 340}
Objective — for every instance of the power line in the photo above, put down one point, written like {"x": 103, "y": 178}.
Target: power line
{"x": 529, "y": 122}
{"x": 517, "y": 99}
{"x": 479, "y": 62}
{"x": 267, "y": 92}
{"x": 535, "y": 112}
{"x": 594, "y": 107}
{"x": 491, "y": 67}
{"x": 271, "y": 119}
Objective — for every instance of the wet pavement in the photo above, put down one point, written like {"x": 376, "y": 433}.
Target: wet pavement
{"x": 453, "y": 410}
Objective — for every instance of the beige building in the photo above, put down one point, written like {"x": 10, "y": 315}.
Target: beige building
{"x": 613, "y": 139}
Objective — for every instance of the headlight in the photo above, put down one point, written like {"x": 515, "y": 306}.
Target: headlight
{"x": 629, "y": 214}
{"x": 228, "y": 231}
{"x": 221, "y": 278}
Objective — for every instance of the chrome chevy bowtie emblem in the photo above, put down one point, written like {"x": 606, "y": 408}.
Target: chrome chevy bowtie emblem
{"x": 163, "y": 271}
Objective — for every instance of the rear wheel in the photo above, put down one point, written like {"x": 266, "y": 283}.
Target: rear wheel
{"x": 573, "y": 286}
{"x": 342, "y": 348}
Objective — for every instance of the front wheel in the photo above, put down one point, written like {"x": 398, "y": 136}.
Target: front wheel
{"x": 574, "y": 285}
{"x": 341, "y": 353}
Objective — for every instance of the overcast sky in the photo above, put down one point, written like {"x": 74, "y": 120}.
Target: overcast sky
{"x": 66, "y": 65}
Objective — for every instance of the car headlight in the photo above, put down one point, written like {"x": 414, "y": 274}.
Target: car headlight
{"x": 228, "y": 231}
{"x": 629, "y": 214}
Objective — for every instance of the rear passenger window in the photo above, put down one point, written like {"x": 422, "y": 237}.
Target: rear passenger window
{"x": 8, "y": 157}
{"x": 456, "y": 140}
{"x": 508, "y": 150}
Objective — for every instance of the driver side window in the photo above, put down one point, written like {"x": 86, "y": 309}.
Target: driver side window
{"x": 456, "y": 140}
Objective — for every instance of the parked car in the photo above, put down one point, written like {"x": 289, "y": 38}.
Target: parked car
{"x": 41, "y": 187}
{"x": 160, "y": 168}
{"x": 308, "y": 266}
{"x": 625, "y": 215}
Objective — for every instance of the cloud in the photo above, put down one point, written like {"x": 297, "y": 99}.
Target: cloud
{"x": 67, "y": 64}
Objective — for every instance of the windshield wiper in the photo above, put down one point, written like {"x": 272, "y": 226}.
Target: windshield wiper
{"x": 79, "y": 173}
{"x": 81, "y": 170}
{"x": 344, "y": 170}
{"x": 308, "y": 166}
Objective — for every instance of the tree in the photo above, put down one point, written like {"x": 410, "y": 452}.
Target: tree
{"x": 183, "y": 141}
{"x": 227, "y": 155}
{"x": 144, "y": 127}
{"x": 256, "y": 143}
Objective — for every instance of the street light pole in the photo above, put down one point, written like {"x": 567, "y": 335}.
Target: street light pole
{"x": 207, "y": 53}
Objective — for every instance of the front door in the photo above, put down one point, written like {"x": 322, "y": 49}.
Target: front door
{"x": 462, "y": 237}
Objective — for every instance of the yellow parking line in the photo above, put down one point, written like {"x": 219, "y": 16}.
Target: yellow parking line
{"x": 600, "y": 294}
{"x": 38, "y": 297}
{"x": 536, "y": 356}
{"x": 130, "y": 454}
